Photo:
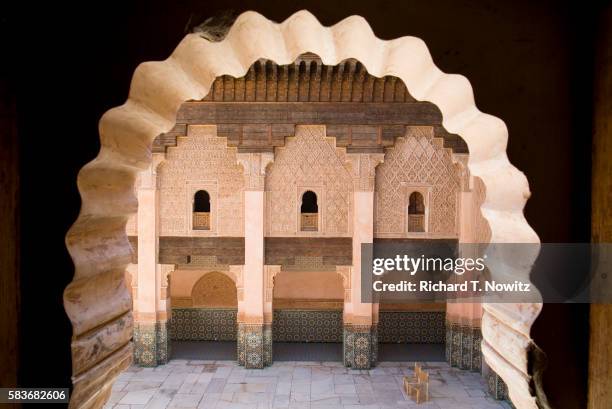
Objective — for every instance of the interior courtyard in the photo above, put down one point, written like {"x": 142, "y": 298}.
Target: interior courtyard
{"x": 211, "y": 251}
{"x": 247, "y": 240}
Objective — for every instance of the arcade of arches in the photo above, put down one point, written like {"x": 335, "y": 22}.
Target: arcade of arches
{"x": 252, "y": 215}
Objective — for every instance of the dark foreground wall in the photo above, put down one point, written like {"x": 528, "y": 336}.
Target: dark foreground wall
{"x": 9, "y": 249}
{"x": 529, "y": 62}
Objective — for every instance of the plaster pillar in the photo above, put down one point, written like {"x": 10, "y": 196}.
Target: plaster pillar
{"x": 463, "y": 334}
{"x": 360, "y": 327}
{"x": 150, "y": 316}
{"x": 270, "y": 272}
{"x": 254, "y": 334}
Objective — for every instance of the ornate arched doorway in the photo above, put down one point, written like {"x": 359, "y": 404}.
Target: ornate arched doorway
{"x": 98, "y": 303}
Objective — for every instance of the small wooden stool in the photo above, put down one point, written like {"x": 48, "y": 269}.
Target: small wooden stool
{"x": 418, "y": 384}
{"x": 414, "y": 378}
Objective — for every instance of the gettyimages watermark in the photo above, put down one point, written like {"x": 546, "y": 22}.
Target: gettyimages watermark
{"x": 405, "y": 271}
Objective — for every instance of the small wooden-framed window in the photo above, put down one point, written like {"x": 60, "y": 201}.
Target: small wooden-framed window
{"x": 309, "y": 212}
{"x": 416, "y": 212}
{"x": 201, "y": 210}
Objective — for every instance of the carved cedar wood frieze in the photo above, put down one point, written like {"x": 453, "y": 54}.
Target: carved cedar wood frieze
{"x": 362, "y": 111}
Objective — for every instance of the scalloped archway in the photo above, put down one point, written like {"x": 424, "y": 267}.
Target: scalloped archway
{"x": 97, "y": 301}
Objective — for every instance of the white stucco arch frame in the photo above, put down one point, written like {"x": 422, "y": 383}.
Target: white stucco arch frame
{"x": 97, "y": 300}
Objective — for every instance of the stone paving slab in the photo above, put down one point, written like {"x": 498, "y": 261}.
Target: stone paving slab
{"x": 198, "y": 384}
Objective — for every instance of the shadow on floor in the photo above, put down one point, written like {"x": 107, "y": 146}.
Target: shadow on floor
{"x": 306, "y": 351}
{"x": 411, "y": 352}
{"x": 204, "y": 350}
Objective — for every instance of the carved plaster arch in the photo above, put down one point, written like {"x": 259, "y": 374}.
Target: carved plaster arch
{"x": 98, "y": 303}
{"x": 206, "y": 276}
{"x": 229, "y": 274}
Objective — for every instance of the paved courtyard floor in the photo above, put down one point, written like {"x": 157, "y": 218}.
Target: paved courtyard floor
{"x": 296, "y": 385}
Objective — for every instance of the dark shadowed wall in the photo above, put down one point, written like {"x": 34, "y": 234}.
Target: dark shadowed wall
{"x": 530, "y": 63}
{"x": 9, "y": 229}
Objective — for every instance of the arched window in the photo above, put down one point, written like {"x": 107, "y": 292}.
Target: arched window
{"x": 309, "y": 212}
{"x": 201, "y": 210}
{"x": 416, "y": 212}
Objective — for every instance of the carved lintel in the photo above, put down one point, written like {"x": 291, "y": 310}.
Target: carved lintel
{"x": 363, "y": 166}
{"x": 254, "y": 165}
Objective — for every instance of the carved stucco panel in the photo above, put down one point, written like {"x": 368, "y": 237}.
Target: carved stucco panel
{"x": 201, "y": 160}
{"x": 417, "y": 160}
{"x": 215, "y": 289}
{"x": 270, "y": 272}
{"x": 165, "y": 271}
{"x": 363, "y": 167}
{"x": 345, "y": 272}
{"x": 254, "y": 166}
{"x": 309, "y": 161}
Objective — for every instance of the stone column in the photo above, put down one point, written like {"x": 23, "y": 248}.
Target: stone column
{"x": 254, "y": 335}
{"x": 360, "y": 332}
{"x": 150, "y": 317}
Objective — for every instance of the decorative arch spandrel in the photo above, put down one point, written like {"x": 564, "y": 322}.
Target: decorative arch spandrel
{"x": 309, "y": 161}
{"x": 417, "y": 162}
{"x": 201, "y": 161}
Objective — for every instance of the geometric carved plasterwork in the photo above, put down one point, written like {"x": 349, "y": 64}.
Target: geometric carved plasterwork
{"x": 364, "y": 170}
{"x": 254, "y": 166}
{"x": 417, "y": 162}
{"x": 482, "y": 231}
{"x": 201, "y": 161}
{"x": 309, "y": 161}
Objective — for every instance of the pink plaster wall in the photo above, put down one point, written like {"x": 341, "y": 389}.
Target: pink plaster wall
{"x": 322, "y": 285}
